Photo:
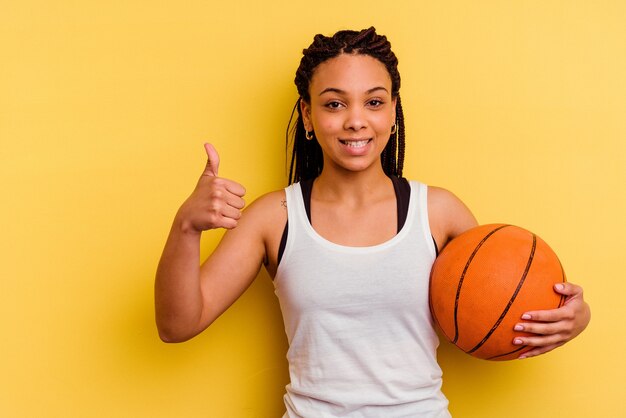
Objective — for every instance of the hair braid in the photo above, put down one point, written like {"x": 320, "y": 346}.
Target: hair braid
{"x": 306, "y": 156}
{"x": 401, "y": 142}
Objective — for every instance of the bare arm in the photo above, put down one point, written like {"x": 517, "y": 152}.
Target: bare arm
{"x": 188, "y": 297}
{"x": 448, "y": 216}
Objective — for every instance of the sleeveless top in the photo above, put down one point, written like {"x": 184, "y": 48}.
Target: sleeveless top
{"x": 401, "y": 187}
{"x": 361, "y": 338}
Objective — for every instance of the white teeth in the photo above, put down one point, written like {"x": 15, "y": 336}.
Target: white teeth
{"x": 356, "y": 144}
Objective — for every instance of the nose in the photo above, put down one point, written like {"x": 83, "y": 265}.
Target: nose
{"x": 355, "y": 119}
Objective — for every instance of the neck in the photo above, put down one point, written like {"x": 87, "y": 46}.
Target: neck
{"x": 351, "y": 186}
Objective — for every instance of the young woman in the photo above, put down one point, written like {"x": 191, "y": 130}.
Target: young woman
{"x": 349, "y": 245}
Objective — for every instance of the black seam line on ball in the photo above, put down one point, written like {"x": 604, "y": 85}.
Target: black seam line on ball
{"x": 508, "y": 306}
{"x": 458, "y": 290}
{"x": 506, "y": 354}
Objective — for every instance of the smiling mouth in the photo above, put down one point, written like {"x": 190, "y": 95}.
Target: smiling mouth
{"x": 355, "y": 144}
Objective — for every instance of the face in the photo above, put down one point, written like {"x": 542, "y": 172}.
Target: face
{"x": 351, "y": 111}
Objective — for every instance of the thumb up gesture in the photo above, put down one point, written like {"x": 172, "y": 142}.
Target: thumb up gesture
{"x": 215, "y": 202}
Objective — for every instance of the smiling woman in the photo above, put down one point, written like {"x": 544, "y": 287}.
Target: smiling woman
{"x": 350, "y": 251}
{"x": 352, "y": 111}
{"x": 307, "y": 159}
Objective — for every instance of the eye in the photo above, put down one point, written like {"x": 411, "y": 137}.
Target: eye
{"x": 375, "y": 103}
{"x": 333, "y": 104}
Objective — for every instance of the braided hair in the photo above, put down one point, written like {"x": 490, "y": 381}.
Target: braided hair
{"x": 306, "y": 156}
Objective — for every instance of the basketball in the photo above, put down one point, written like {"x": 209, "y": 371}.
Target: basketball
{"x": 484, "y": 280}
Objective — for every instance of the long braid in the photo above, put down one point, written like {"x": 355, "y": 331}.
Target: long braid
{"x": 306, "y": 156}
{"x": 401, "y": 142}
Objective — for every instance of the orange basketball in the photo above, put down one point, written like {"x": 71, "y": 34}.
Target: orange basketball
{"x": 482, "y": 283}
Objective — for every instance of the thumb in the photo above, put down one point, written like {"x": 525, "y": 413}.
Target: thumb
{"x": 213, "y": 161}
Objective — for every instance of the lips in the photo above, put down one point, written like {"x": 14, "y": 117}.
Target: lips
{"x": 355, "y": 143}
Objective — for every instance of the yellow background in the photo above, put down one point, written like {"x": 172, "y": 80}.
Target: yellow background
{"x": 519, "y": 107}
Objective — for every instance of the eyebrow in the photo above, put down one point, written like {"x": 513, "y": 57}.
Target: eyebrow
{"x": 339, "y": 91}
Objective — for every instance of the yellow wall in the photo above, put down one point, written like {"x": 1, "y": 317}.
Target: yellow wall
{"x": 517, "y": 106}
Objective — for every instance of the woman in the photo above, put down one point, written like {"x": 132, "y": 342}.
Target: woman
{"x": 349, "y": 244}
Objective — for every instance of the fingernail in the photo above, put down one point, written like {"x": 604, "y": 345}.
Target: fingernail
{"x": 559, "y": 286}
{"x": 522, "y": 357}
{"x": 517, "y": 341}
{"x": 526, "y": 316}
{"x": 518, "y": 328}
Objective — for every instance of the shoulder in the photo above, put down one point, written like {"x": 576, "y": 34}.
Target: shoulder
{"x": 261, "y": 222}
{"x": 448, "y": 215}
{"x": 269, "y": 204}
{"x": 267, "y": 212}
{"x": 268, "y": 199}
{"x": 441, "y": 199}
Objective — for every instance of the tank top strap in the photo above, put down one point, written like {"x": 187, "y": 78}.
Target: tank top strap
{"x": 419, "y": 203}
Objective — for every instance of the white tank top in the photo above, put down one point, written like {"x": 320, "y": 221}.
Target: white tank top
{"x": 361, "y": 338}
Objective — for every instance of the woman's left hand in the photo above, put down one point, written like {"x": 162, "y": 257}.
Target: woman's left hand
{"x": 555, "y": 327}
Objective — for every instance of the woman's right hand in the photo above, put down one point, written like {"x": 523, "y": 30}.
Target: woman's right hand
{"x": 186, "y": 302}
{"x": 215, "y": 202}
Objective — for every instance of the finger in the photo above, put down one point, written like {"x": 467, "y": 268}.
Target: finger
{"x": 234, "y": 188}
{"x": 225, "y": 198}
{"x": 235, "y": 201}
{"x": 230, "y": 212}
{"x": 537, "y": 351}
{"x": 213, "y": 161}
{"x": 567, "y": 289}
{"x": 542, "y": 328}
{"x": 550, "y": 315}
{"x": 572, "y": 291}
{"x": 539, "y": 341}
{"x": 226, "y": 223}
{"x": 227, "y": 186}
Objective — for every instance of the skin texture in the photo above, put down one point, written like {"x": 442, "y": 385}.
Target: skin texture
{"x": 351, "y": 113}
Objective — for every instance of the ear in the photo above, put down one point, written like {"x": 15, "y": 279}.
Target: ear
{"x": 305, "y": 111}
{"x": 394, "y": 102}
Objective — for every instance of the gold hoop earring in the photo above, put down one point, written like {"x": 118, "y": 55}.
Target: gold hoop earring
{"x": 308, "y": 135}
{"x": 394, "y": 128}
